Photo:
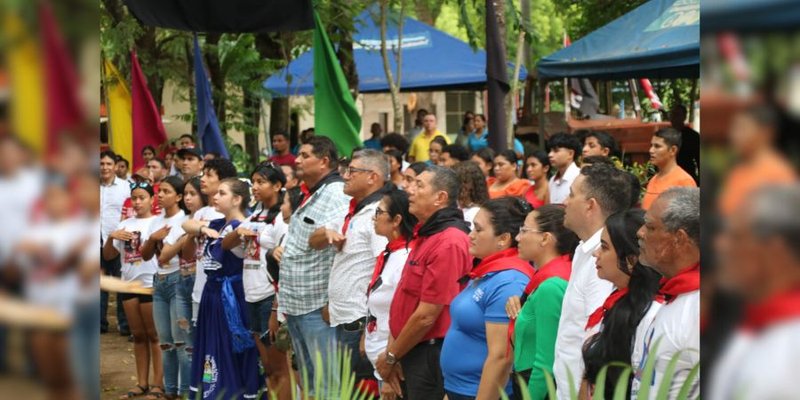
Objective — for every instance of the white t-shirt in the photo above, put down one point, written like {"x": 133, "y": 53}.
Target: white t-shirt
{"x": 206, "y": 213}
{"x": 759, "y": 366}
{"x": 258, "y": 285}
{"x": 559, "y": 188}
{"x": 174, "y": 222}
{"x": 352, "y": 268}
{"x": 469, "y": 215}
{"x": 379, "y": 303}
{"x": 134, "y": 267}
{"x": 45, "y": 284}
{"x": 678, "y": 326}
{"x": 585, "y": 293}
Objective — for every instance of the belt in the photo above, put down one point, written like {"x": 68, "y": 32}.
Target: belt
{"x": 188, "y": 271}
{"x": 356, "y": 325}
{"x": 162, "y": 277}
{"x": 430, "y": 342}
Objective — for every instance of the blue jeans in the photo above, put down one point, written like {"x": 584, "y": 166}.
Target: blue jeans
{"x": 85, "y": 347}
{"x": 311, "y": 334}
{"x": 172, "y": 332}
{"x": 185, "y": 288}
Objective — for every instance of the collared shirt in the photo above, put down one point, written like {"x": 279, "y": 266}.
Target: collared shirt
{"x": 431, "y": 275}
{"x": 559, "y": 187}
{"x": 353, "y": 267}
{"x": 422, "y": 144}
{"x": 677, "y": 324}
{"x": 585, "y": 292}
{"x": 112, "y": 197}
{"x": 305, "y": 271}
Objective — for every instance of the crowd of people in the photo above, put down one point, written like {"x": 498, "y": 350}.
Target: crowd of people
{"x": 439, "y": 269}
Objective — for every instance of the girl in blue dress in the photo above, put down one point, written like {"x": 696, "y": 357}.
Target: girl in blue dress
{"x": 225, "y": 360}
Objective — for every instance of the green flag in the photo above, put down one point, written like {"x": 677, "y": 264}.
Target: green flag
{"x": 335, "y": 113}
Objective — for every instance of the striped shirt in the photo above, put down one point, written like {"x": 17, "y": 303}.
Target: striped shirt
{"x": 305, "y": 271}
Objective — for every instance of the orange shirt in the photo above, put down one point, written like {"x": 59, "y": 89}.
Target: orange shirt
{"x": 659, "y": 184}
{"x": 517, "y": 188}
{"x": 744, "y": 179}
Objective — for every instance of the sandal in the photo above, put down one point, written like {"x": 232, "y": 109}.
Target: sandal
{"x": 131, "y": 394}
{"x": 156, "y": 395}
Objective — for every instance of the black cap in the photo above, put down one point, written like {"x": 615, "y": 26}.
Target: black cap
{"x": 190, "y": 151}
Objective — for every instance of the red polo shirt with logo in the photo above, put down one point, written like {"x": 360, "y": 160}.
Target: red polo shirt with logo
{"x": 431, "y": 275}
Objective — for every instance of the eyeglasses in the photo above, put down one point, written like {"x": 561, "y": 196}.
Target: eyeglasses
{"x": 378, "y": 212}
{"x": 352, "y": 170}
{"x": 140, "y": 185}
{"x": 525, "y": 229}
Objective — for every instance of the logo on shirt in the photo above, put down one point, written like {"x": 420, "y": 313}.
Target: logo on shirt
{"x": 477, "y": 295}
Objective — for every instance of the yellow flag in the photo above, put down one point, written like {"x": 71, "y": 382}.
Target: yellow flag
{"x": 27, "y": 84}
{"x": 119, "y": 113}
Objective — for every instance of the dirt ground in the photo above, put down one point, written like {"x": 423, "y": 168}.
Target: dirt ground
{"x": 117, "y": 364}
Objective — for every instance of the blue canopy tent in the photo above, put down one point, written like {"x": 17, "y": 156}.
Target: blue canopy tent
{"x": 659, "y": 39}
{"x": 432, "y": 60}
{"x": 750, "y": 16}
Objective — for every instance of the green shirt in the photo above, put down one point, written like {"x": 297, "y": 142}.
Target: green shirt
{"x": 535, "y": 334}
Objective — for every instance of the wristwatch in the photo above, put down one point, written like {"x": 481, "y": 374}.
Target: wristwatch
{"x": 390, "y": 358}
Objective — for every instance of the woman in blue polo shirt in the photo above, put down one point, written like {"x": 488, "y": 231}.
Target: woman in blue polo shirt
{"x": 474, "y": 358}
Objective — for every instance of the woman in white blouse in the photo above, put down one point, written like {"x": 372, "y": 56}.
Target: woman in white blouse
{"x": 393, "y": 221}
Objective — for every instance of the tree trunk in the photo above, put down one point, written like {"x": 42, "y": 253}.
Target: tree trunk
{"x": 530, "y": 80}
{"x": 211, "y": 53}
{"x": 252, "y": 117}
{"x": 279, "y": 115}
{"x": 428, "y": 10}
{"x": 394, "y": 86}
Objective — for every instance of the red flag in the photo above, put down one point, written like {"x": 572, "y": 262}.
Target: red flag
{"x": 651, "y": 94}
{"x": 147, "y": 126}
{"x": 64, "y": 111}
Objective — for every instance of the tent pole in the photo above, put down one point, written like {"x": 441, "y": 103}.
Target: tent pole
{"x": 567, "y": 90}
{"x": 540, "y": 84}
{"x": 637, "y": 106}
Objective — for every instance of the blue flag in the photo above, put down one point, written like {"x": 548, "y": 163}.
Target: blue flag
{"x": 208, "y": 132}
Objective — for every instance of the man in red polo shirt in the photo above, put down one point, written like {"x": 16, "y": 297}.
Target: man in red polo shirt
{"x": 419, "y": 315}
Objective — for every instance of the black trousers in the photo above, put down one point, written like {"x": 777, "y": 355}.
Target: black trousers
{"x": 422, "y": 371}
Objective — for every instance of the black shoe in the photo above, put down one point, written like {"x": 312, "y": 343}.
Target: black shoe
{"x": 130, "y": 338}
{"x": 125, "y": 333}
{"x": 103, "y": 330}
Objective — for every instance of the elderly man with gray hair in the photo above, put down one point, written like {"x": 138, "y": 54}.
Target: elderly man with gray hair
{"x": 759, "y": 258}
{"x": 357, "y": 247}
{"x": 669, "y": 243}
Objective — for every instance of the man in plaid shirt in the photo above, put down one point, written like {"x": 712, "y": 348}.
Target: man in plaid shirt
{"x": 305, "y": 271}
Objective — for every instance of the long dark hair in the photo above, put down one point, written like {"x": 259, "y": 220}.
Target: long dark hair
{"x": 473, "y": 184}
{"x": 397, "y": 202}
{"x": 615, "y": 340}
{"x": 274, "y": 175}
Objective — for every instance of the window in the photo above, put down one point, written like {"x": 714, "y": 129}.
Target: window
{"x": 457, "y": 103}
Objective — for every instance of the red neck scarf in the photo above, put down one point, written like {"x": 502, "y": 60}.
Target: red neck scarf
{"x": 305, "y": 191}
{"x": 776, "y": 309}
{"x": 687, "y": 280}
{"x": 601, "y": 311}
{"x": 501, "y": 261}
{"x": 380, "y": 262}
{"x": 350, "y": 212}
{"x": 560, "y": 267}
